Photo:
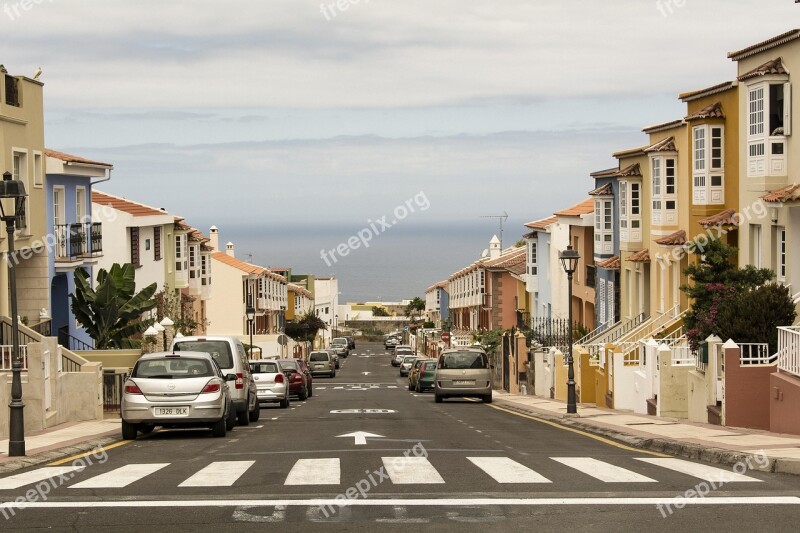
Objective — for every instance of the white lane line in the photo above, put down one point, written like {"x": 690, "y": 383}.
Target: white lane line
{"x": 218, "y": 474}
{"x": 20, "y": 480}
{"x": 392, "y": 387}
{"x": 411, "y": 470}
{"x": 121, "y": 477}
{"x": 706, "y": 473}
{"x": 603, "y": 471}
{"x": 505, "y": 470}
{"x": 315, "y": 472}
{"x": 744, "y": 501}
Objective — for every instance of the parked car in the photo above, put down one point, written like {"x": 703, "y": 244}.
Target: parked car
{"x": 352, "y": 341}
{"x": 321, "y": 362}
{"x": 463, "y": 372}
{"x": 390, "y": 341}
{"x": 303, "y": 364}
{"x": 341, "y": 345}
{"x": 413, "y": 374}
{"x": 298, "y": 384}
{"x": 169, "y": 389}
{"x": 399, "y": 353}
{"x": 335, "y": 356}
{"x": 229, "y": 354}
{"x": 427, "y": 372}
{"x": 271, "y": 384}
{"x": 406, "y": 364}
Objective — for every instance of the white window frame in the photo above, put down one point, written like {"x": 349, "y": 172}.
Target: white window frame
{"x": 38, "y": 170}
{"x": 19, "y": 163}
{"x": 611, "y": 308}
{"x": 781, "y": 252}
{"x": 80, "y": 207}
{"x": 766, "y": 151}
{"x": 630, "y": 211}
{"x": 708, "y": 141}
{"x": 533, "y": 265}
{"x": 755, "y": 245}
{"x": 601, "y": 297}
{"x": 664, "y": 189}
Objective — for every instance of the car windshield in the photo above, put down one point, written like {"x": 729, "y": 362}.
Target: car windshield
{"x": 409, "y": 359}
{"x": 339, "y": 342}
{"x": 220, "y": 351}
{"x": 429, "y": 368}
{"x": 264, "y": 368}
{"x": 318, "y": 356}
{"x": 463, "y": 360}
{"x": 173, "y": 368}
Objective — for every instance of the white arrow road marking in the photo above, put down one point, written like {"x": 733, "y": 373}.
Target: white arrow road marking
{"x": 361, "y": 437}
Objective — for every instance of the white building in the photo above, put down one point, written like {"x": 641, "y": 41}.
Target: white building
{"x": 326, "y": 303}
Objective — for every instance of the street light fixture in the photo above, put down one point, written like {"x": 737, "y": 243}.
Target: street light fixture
{"x": 569, "y": 260}
{"x": 250, "y": 312}
{"x": 12, "y": 204}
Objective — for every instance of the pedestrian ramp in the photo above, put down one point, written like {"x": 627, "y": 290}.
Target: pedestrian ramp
{"x": 397, "y": 470}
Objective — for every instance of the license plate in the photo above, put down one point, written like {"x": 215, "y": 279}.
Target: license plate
{"x": 171, "y": 411}
{"x": 463, "y": 382}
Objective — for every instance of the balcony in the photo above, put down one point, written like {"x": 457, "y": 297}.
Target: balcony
{"x": 77, "y": 244}
{"x": 194, "y": 282}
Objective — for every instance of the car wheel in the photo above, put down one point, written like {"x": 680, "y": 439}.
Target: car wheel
{"x": 285, "y": 402}
{"x": 230, "y": 422}
{"x": 418, "y": 388}
{"x": 146, "y": 429}
{"x": 438, "y": 398}
{"x": 303, "y": 396}
{"x": 129, "y": 431}
{"x": 242, "y": 418}
{"x": 219, "y": 428}
{"x": 487, "y": 398}
{"x": 255, "y": 413}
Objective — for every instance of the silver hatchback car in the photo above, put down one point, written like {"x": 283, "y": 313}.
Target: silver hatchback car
{"x": 176, "y": 389}
{"x": 271, "y": 385}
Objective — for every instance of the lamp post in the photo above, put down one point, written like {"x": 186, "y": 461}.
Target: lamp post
{"x": 12, "y": 202}
{"x": 569, "y": 260}
{"x": 251, "y": 316}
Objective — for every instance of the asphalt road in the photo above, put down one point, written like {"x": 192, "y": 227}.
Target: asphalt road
{"x": 456, "y": 466}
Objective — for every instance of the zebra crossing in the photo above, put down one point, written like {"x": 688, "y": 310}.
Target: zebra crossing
{"x": 399, "y": 470}
{"x": 357, "y": 386}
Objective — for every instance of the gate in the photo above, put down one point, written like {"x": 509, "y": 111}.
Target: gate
{"x": 113, "y": 383}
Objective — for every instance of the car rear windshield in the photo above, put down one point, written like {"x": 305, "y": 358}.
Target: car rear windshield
{"x": 463, "y": 360}
{"x": 337, "y": 342}
{"x": 404, "y": 351}
{"x": 289, "y": 365}
{"x": 173, "y": 368}
{"x": 264, "y": 368}
{"x": 409, "y": 359}
{"x": 319, "y": 356}
{"x": 220, "y": 351}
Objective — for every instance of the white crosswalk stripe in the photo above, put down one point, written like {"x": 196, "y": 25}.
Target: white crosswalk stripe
{"x": 34, "y": 476}
{"x": 315, "y": 472}
{"x": 603, "y": 471}
{"x": 121, "y": 477}
{"x": 704, "y": 472}
{"x": 411, "y": 471}
{"x": 218, "y": 474}
{"x": 505, "y": 470}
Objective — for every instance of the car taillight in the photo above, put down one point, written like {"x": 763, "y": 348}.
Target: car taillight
{"x": 279, "y": 378}
{"x": 132, "y": 389}
{"x": 297, "y": 377}
{"x": 239, "y": 381}
{"x": 330, "y": 364}
{"x": 211, "y": 387}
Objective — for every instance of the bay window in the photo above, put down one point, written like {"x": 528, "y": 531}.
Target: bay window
{"x": 709, "y": 178}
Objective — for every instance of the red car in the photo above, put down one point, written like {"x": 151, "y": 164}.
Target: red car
{"x": 299, "y": 378}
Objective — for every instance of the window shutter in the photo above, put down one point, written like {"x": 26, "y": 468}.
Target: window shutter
{"x": 787, "y": 108}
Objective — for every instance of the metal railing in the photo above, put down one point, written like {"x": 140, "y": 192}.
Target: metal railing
{"x": 788, "y": 355}
{"x": 71, "y": 343}
{"x": 113, "y": 383}
{"x": 751, "y": 353}
{"x": 43, "y": 328}
{"x": 614, "y": 332}
{"x": 75, "y": 241}
{"x": 7, "y": 357}
{"x": 653, "y": 326}
{"x": 683, "y": 356}
{"x": 70, "y": 361}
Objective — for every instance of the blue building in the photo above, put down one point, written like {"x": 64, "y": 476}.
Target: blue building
{"x": 74, "y": 240}
{"x": 606, "y": 241}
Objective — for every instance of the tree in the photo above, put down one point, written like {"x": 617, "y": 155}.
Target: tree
{"x": 714, "y": 280}
{"x": 489, "y": 340}
{"x": 379, "y": 311}
{"x": 178, "y": 307}
{"x": 415, "y": 308}
{"x": 306, "y": 328}
{"x": 112, "y": 312}
{"x": 753, "y": 316}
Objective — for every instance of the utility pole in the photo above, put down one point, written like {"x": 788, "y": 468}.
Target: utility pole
{"x": 502, "y": 218}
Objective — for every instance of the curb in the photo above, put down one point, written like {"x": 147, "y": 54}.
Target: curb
{"x": 699, "y": 452}
{"x": 12, "y": 465}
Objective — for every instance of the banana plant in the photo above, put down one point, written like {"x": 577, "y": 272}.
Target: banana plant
{"x": 112, "y": 311}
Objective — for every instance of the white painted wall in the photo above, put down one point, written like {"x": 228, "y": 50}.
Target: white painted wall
{"x": 559, "y": 240}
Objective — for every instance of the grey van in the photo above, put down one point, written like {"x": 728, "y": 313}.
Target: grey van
{"x": 463, "y": 372}
{"x": 229, "y": 354}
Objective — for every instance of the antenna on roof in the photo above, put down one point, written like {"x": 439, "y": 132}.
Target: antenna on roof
{"x": 502, "y": 219}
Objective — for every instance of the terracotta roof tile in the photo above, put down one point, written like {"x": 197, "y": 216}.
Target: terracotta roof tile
{"x": 784, "y": 194}
{"x": 612, "y": 263}
{"x": 629, "y": 152}
{"x": 674, "y": 239}
{"x": 69, "y": 158}
{"x": 655, "y": 128}
{"x": 518, "y": 269}
{"x": 300, "y": 290}
{"x": 181, "y": 225}
{"x": 603, "y": 190}
{"x": 126, "y": 206}
{"x": 708, "y": 91}
{"x": 711, "y": 111}
{"x": 542, "y": 224}
{"x": 508, "y": 259}
{"x": 247, "y": 268}
{"x": 631, "y": 171}
{"x": 774, "y": 66}
{"x": 772, "y": 42}
{"x": 583, "y": 208}
{"x": 724, "y": 218}
{"x": 441, "y": 285}
{"x": 664, "y": 145}
{"x": 609, "y": 172}
{"x": 642, "y": 256}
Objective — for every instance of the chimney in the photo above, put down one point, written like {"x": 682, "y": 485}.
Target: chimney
{"x": 213, "y": 233}
{"x": 494, "y": 248}
{"x": 229, "y": 249}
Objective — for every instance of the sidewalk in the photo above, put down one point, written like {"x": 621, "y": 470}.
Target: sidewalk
{"x": 60, "y": 441}
{"x": 706, "y": 442}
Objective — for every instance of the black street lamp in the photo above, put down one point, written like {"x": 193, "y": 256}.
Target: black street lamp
{"x": 251, "y": 316}
{"x": 12, "y": 204}
{"x": 569, "y": 260}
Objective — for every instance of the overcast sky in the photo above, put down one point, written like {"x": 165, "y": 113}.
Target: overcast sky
{"x": 277, "y": 111}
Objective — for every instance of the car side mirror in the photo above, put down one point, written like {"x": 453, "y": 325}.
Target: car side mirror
{"x": 230, "y": 377}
